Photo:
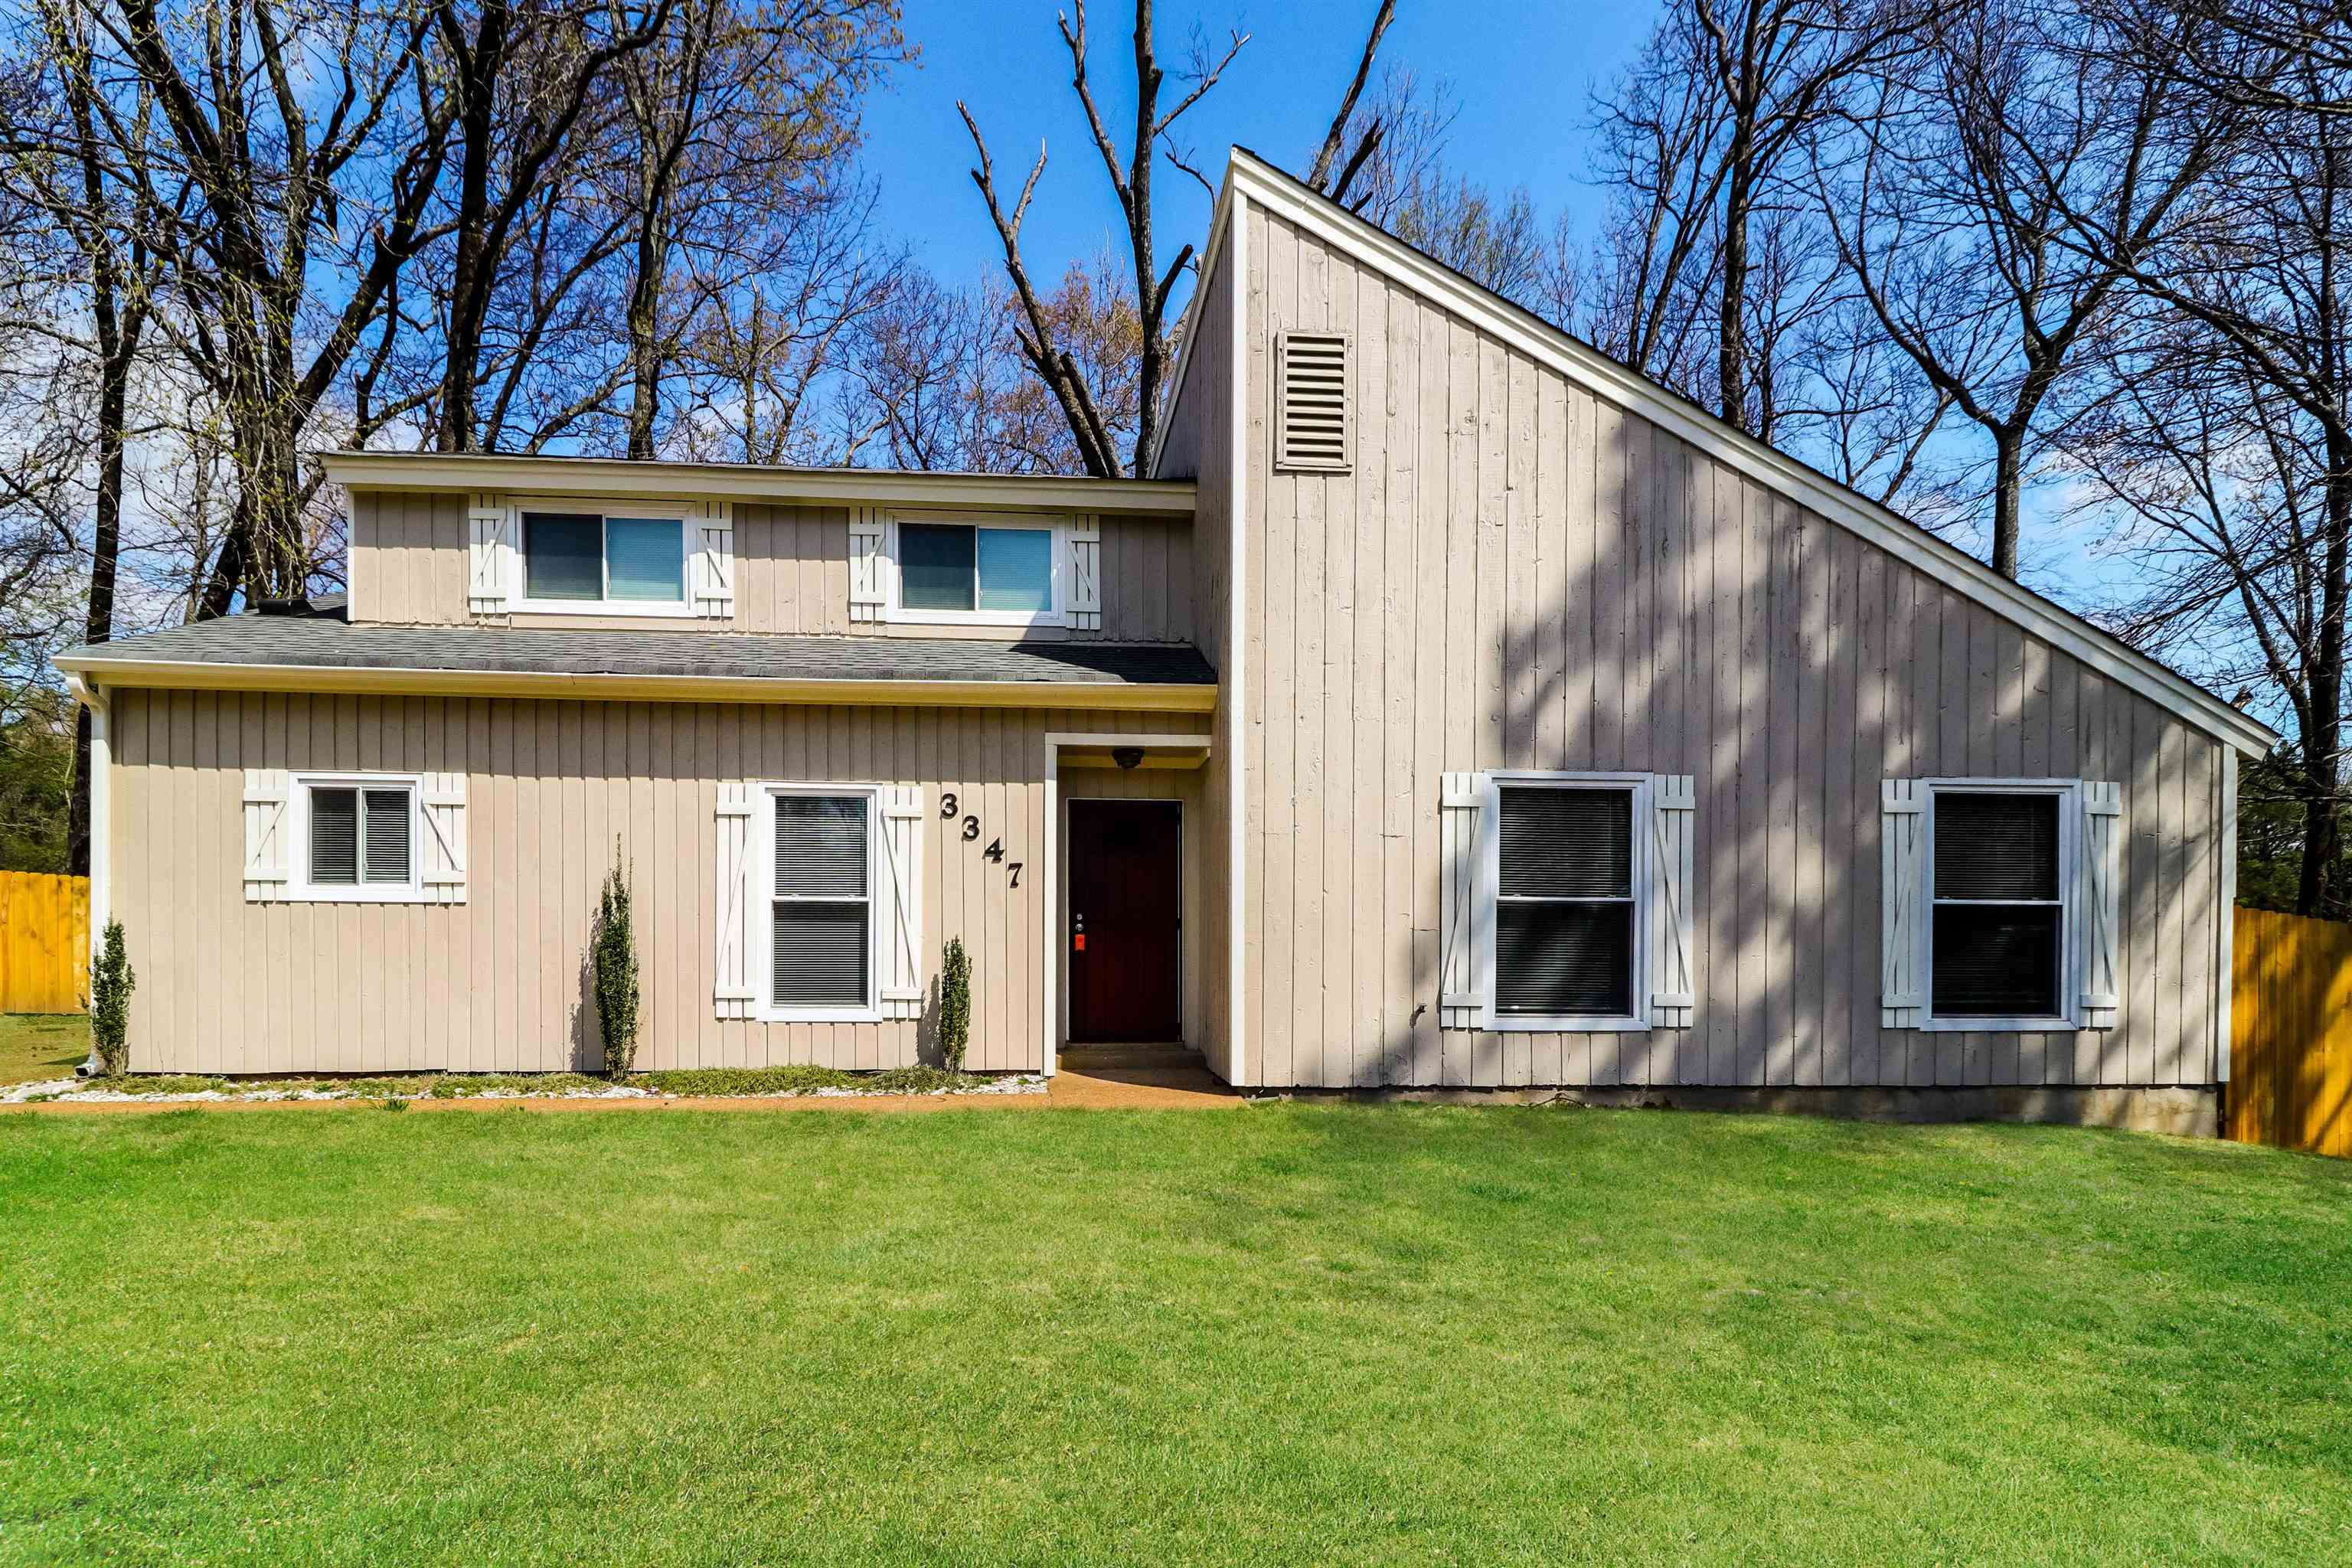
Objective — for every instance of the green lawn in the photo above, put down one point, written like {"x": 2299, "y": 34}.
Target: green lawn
{"x": 34, "y": 1045}
{"x": 1282, "y": 1334}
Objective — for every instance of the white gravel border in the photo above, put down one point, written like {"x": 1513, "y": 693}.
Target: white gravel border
{"x": 76, "y": 1092}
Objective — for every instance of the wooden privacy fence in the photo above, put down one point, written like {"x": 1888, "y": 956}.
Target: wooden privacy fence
{"x": 2291, "y": 1052}
{"x": 44, "y": 941}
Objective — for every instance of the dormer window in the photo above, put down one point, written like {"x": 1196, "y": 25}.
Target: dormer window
{"x": 614, "y": 562}
{"x": 1001, "y": 572}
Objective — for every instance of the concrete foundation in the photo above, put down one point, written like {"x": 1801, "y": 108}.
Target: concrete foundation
{"x": 2185, "y": 1110}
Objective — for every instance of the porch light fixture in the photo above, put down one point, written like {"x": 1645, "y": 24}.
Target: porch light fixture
{"x": 1129, "y": 758}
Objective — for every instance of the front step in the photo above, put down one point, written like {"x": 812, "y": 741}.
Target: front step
{"x": 1099, "y": 1058}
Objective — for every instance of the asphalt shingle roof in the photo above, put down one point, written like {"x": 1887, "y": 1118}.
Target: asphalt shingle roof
{"x": 323, "y": 639}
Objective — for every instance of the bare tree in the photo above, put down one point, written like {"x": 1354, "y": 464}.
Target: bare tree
{"x": 1700, "y": 133}
{"x": 2248, "y": 331}
{"x": 1947, "y": 201}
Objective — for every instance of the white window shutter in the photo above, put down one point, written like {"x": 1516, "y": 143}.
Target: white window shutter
{"x": 492, "y": 528}
{"x": 268, "y": 852}
{"x": 867, "y": 595}
{"x": 1673, "y": 815}
{"x": 1466, "y": 906}
{"x": 738, "y": 893}
{"x": 714, "y": 562}
{"x": 443, "y": 804}
{"x": 2101, "y": 903}
{"x": 1902, "y": 902}
{"x": 1086, "y": 573}
{"x": 902, "y": 924}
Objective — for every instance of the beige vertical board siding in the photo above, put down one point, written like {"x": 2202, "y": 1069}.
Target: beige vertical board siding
{"x": 1613, "y": 599}
{"x": 410, "y": 564}
{"x": 497, "y": 982}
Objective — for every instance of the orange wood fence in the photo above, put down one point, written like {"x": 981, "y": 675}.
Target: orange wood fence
{"x": 2291, "y": 1050}
{"x": 44, "y": 941}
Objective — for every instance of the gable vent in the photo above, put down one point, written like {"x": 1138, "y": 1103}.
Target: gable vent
{"x": 1313, "y": 399}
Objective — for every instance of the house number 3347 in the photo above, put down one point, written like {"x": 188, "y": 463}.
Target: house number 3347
{"x": 949, "y": 806}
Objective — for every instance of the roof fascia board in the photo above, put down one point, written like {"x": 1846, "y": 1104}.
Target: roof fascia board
{"x": 1605, "y": 378}
{"x": 193, "y": 676}
{"x": 625, "y": 477}
{"x": 1219, "y": 220}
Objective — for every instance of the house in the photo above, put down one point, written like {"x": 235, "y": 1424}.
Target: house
{"x": 1451, "y": 707}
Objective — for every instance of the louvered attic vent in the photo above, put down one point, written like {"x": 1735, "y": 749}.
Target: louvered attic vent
{"x": 1312, "y": 396}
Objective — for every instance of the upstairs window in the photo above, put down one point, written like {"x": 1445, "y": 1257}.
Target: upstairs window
{"x": 988, "y": 573}
{"x": 611, "y": 560}
{"x": 1998, "y": 936}
{"x": 1566, "y": 920}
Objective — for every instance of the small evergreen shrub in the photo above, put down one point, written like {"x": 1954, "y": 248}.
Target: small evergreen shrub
{"x": 614, "y": 952}
{"x": 111, "y": 981}
{"x": 955, "y": 1004}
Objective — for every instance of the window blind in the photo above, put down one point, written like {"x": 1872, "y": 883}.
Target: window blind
{"x": 821, "y": 954}
{"x": 935, "y": 566}
{"x": 1567, "y": 843}
{"x": 823, "y": 914}
{"x": 1564, "y": 914}
{"x": 646, "y": 559}
{"x": 1996, "y": 845}
{"x": 334, "y": 835}
{"x": 562, "y": 555}
{"x": 1015, "y": 568}
{"x": 385, "y": 841}
{"x": 1996, "y": 926}
{"x": 1562, "y": 959}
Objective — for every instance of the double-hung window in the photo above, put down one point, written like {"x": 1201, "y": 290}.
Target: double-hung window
{"x": 580, "y": 558}
{"x": 822, "y": 924}
{"x": 2000, "y": 937}
{"x": 1568, "y": 868}
{"x": 357, "y": 838}
{"x": 1001, "y": 572}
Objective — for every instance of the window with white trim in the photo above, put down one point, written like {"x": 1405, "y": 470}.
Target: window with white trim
{"x": 624, "y": 559}
{"x": 1568, "y": 873}
{"x": 358, "y": 838}
{"x": 2001, "y": 936}
{"x": 822, "y": 910}
{"x": 1000, "y": 572}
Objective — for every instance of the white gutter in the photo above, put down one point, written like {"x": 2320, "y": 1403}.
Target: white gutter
{"x": 102, "y": 819}
{"x": 747, "y": 481}
{"x": 191, "y": 674}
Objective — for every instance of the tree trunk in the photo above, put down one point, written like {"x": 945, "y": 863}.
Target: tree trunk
{"x": 2323, "y": 836}
{"x": 473, "y": 265}
{"x": 2007, "y": 485}
{"x": 644, "y": 301}
{"x": 1731, "y": 350}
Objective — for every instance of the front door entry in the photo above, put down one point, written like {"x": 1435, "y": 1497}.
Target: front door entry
{"x": 1125, "y": 932}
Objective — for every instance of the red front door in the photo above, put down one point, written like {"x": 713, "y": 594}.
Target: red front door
{"x": 1124, "y": 937}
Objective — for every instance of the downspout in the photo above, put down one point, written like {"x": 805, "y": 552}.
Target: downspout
{"x": 101, "y": 792}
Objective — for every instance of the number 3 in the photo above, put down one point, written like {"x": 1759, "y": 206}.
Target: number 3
{"x": 948, "y": 803}
{"x": 971, "y": 828}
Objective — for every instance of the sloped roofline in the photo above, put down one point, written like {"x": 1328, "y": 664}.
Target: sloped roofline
{"x": 1256, "y": 180}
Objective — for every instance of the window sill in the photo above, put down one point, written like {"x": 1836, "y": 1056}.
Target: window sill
{"x": 817, "y": 1016}
{"x": 1572, "y": 1024}
{"x": 298, "y": 894}
{"x": 679, "y": 610}
{"x": 2044, "y": 1026}
{"x": 975, "y": 619}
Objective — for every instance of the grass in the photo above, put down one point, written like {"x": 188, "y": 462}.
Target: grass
{"x": 697, "y": 1083}
{"x": 1343, "y": 1334}
{"x": 38, "y": 1046}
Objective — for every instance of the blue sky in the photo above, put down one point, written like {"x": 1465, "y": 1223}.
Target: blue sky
{"x": 1520, "y": 73}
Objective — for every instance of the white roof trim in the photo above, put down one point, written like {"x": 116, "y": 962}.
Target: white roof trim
{"x": 618, "y": 476}
{"x": 191, "y": 675}
{"x": 1604, "y": 377}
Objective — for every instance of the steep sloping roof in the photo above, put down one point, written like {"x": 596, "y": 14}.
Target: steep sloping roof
{"x": 1251, "y": 178}
{"x": 324, "y": 642}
